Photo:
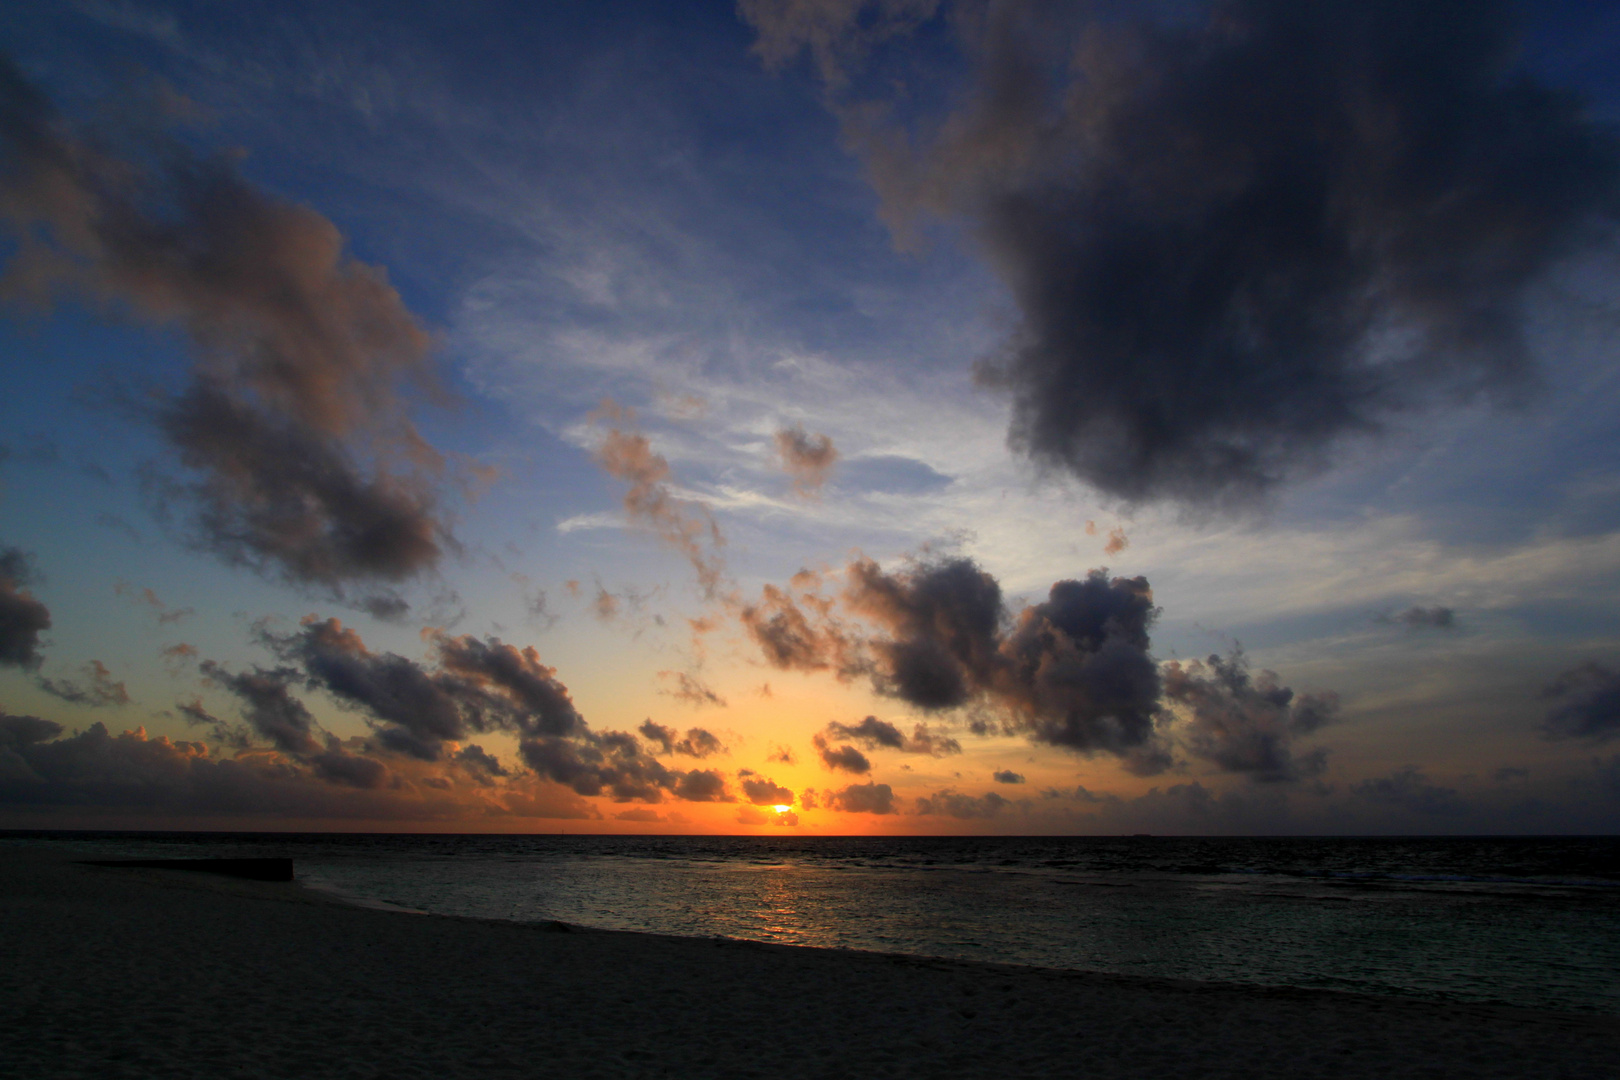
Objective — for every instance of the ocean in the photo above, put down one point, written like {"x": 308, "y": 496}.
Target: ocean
{"x": 1529, "y": 922}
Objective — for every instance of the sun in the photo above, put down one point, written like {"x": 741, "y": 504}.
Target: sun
{"x": 781, "y": 809}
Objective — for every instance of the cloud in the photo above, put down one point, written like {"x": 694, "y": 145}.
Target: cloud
{"x": 1587, "y": 704}
{"x": 1410, "y": 790}
{"x": 872, "y": 734}
{"x": 762, "y": 791}
{"x": 1007, "y": 776}
{"x": 841, "y": 758}
{"x": 146, "y": 598}
{"x": 691, "y": 689}
{"x": 964, "y": 807}
{"x": 703, "y": 785}
{"x": 697, "y": 742}
{"x": 269, "y": 707}
{"x": 1247, "y": 724}
{"x": 861, "y": 799}
{"x": 1239, "y": 239}
{"x": 1072, "y": 671}
{"x": 276, "y": 495}
{"x": 22, "y": 618}
{"x": 835, "y": 32}
{"x": 479, "y": 686}
{"x": 97, "y": 689}
{"x": 482, "y": 685}
{"x": 808, "y": 459}
{"x": 1421, "y": 618}
{"x": 687, "y": 526}
{"x": 303, "y": 463}
{"x": 95, "y": 776}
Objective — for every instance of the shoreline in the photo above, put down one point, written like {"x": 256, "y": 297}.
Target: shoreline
{"x": 137, "y": 972}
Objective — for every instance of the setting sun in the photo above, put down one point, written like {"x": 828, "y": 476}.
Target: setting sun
{"x": 781, "y": 808}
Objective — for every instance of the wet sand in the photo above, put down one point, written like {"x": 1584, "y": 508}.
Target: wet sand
{"x": 113, "y": 972}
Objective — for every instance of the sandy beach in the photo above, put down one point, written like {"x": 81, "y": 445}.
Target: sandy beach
{"x": 154, "y": 973}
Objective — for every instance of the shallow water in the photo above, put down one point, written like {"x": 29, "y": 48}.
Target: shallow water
{"x": 1524, "y": 921}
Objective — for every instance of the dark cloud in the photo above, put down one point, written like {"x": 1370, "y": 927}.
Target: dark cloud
{"x": 943, "y": 621}
{"x": 808, "y": 459}
{"x": 93, "y": 774}
{"x": 302, "y": 461}
{"x": 762, "y": 791}
{"x": 276, "y": 495}
{"x": 1509, "y": 773}
{"x": 873, "y": 734}
{"x": 97, "y": 689}
{"x": 703, "y": 785}
{"x": 860, "y": 799}
{"x": 479, "y": 686}
{"x": 612, "y": 763}
{"x": 479, "y": 761}
{"x": 1586, "y": 704}
{"x": 1073, "y": 671}
{"x": 341, "y": 767}
{"x": 1410, "y": 790}
{"x": 269, "y": 707}
{"x": 22, "y": 618}
{"x": 841, "y": 758}
{"x": 1239, "y": 238}
{"x": 1248, "y": 724}
{"x": 233, "y": 736}
{"x": 697, "y": 742}
{"x": 1079, "y": 674}
{"x": 1007, "y": 776}
{"x": 964, "y": 807}
{"x": 1421, "y": 618}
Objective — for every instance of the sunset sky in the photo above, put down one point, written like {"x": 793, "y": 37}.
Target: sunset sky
{"x": 922, "y": 416}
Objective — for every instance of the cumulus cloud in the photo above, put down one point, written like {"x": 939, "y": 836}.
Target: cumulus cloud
{"x": 1586, "y": 704}
{"x": 301, "y": 461}
{"x": 1007, "y": 776}
{"x": 808, "y": 459}
{"x": 1247, "y": 724}
{"x": 22, "y": 618}
{"x": 269, "y": 706}
{"x": 763, "y": 791}
{"x": 861, "y": 799}
{"x": 1072, "y": 671}
{"x": 97, "y": 689}
{"x": 840, "y": 758}
{"x": 1237, "y": 239}
{"x": 963, "y": 807}
{"x": 685, "y": 524}
{"x": 873, "y": 734}
{"x": 697, "y": 742}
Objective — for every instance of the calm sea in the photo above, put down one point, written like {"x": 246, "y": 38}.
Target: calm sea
{"x": 1532, "y": 922}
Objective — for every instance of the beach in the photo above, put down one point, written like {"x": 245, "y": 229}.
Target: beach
{"x": 115, "y": 972}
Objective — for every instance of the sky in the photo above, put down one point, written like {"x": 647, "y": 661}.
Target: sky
{"x": 802, "y": 417}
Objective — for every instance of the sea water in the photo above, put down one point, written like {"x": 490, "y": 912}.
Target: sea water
{"x": 1530, "y": 922}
